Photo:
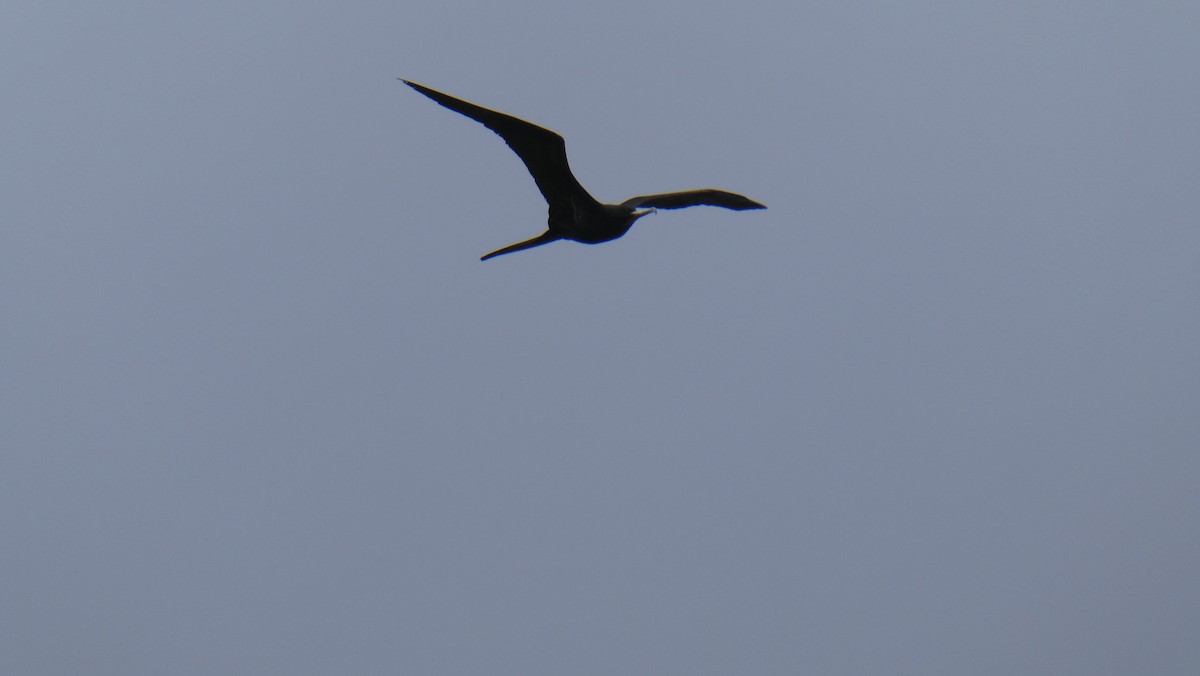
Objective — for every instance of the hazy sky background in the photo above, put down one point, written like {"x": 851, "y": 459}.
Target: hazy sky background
{"x": 935, "y": 411}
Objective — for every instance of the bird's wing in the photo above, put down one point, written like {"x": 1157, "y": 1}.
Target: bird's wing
{"x": 692, "y": 198}
{"x": 543, "y": 151}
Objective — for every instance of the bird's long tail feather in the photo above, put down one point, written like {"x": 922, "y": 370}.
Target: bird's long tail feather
{"x": 544, "y": 238}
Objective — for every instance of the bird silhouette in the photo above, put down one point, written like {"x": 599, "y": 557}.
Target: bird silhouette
{"x": 574, "y": 214}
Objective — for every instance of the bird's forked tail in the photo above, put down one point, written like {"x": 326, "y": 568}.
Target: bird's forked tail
{"x": 544, "y": 238}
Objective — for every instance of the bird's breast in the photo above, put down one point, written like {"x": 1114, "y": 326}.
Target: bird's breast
{"x": 593, "y": 226}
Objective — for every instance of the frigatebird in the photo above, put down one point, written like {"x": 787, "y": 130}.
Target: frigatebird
{"x": 574, "y": 214}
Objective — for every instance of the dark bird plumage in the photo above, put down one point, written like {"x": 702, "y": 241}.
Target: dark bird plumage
{"x": 574, "y": 214}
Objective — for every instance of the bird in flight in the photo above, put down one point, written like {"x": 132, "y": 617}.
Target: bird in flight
{"x": 574, "y": 214}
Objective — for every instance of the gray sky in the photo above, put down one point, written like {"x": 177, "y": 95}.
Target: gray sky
{"x": 262, "y": 409}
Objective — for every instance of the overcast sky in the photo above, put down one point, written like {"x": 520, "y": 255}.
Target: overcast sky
{"x": 935, "y": 411}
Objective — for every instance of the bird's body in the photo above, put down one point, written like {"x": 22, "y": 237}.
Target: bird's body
{"x": 573, "y": 213}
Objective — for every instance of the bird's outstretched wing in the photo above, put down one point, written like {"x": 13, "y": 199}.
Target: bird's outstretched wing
{"x": 693, "y": 198}
{"x": 543, "y": 151}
